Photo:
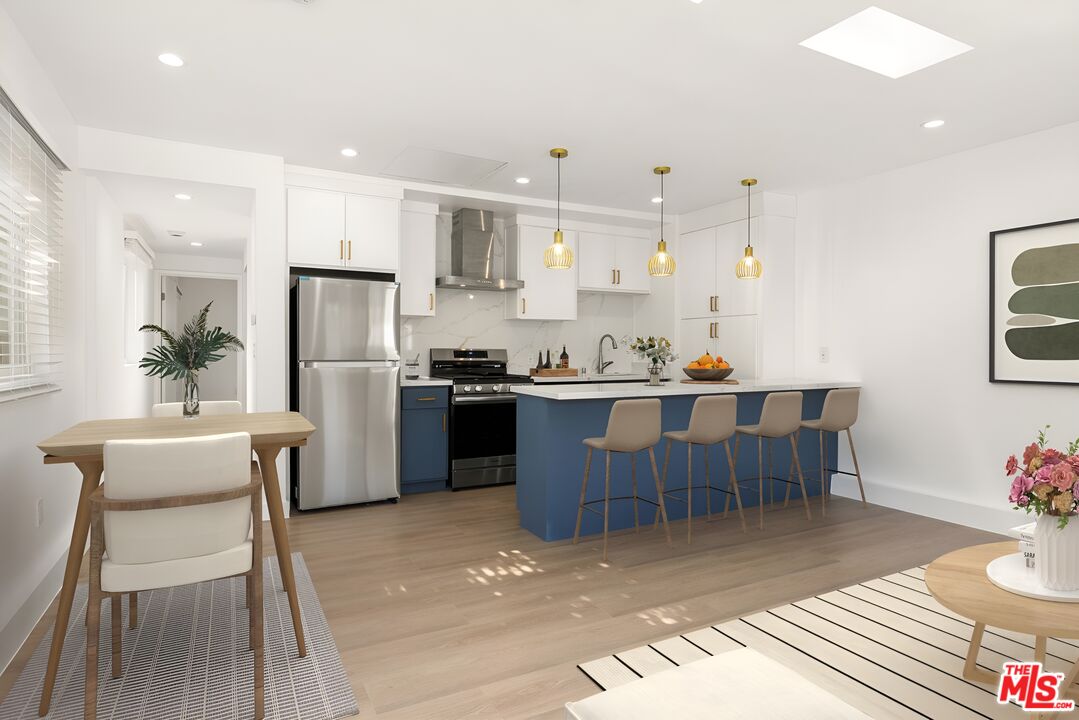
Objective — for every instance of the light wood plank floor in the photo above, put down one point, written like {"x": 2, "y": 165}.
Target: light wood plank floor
{"x": 442, "y": 607}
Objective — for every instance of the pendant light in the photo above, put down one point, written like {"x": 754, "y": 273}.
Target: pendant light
{"x": 749, "y": 267}
{"x": 661, "y": 264}
{"x": 558, "y": 256}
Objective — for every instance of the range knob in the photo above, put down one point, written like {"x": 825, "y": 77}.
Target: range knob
{"x": 496, "y": 388}
{"x": 467, "y": 388}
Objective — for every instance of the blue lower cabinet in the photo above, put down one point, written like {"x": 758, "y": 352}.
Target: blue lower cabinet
{"x": 424, "y": 439}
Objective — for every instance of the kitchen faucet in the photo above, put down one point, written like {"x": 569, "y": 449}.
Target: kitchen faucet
{"x": 614, "y": 346}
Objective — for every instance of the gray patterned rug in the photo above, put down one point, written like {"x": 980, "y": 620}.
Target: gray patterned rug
{"x": 188, "y": 658}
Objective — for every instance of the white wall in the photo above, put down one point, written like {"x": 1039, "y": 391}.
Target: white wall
{"x": 893, "y": 279}
{"x": 31, "y": 564}
{"x": 219, "y": 381}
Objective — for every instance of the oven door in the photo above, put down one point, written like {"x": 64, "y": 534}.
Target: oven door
{"x": 483, "y": 440}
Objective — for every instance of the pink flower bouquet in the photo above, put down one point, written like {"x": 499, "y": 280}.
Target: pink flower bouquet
{"x": 1046, "y": 481}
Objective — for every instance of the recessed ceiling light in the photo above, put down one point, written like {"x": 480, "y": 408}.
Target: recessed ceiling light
{"x": 196, "y": 244}
{"x": 930, "y": 124}
{"x": 657, "y": 200}
{"x": 348, "y": 152}
{"x": 522, "y": 180}
{"x": 171, "y": 59}
{"x": 182, "y": 196}
{"x": 877, "y": 40}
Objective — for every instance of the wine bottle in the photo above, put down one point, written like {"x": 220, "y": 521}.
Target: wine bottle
{"x": 563, "y": 359}
{"x": 547, "y": 365}
{"x": 539, "y": 360}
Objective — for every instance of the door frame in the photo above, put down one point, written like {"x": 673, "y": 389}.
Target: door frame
{"x": 238, "y": 278}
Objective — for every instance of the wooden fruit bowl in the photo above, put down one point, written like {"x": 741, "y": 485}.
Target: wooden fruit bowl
{"x": 708, "y": 374}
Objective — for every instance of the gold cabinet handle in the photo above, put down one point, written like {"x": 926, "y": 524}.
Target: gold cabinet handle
{"x": 524, "y": 306}
{"x": 426, "y": 399}
{"x": 613, "y": 281}
{"x": 350, "y": 250}
{"x": 430, "y": 301}
{"x": 443, "y": 422}
{"x": 618, "y": 274}
{"x": 341, "y": 252}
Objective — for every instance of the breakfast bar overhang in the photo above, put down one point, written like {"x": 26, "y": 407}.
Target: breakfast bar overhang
{"x": 553, "y": 420}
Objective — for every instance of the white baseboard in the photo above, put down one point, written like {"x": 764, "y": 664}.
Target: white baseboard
{"x": 982, "y": 517}
{"x": 22, "y": 623}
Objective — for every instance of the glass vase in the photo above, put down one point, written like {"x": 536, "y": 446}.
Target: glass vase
{"x": 655, "y": 372}
{"x": 191, "y": 397}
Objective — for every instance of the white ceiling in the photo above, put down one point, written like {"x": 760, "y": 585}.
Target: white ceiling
{"x": 218, "y": 216}
{"x": 718, "y": 90}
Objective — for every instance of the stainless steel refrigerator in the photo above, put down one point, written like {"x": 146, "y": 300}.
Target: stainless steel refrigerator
{"x": 347, "y": 383}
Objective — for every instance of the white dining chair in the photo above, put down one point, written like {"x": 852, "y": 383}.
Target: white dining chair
{"x": 174, "y": 512}
{"x": 206, "y": 407}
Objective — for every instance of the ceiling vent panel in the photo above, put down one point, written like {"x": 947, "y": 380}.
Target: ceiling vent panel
{"x": 438, "y": 166}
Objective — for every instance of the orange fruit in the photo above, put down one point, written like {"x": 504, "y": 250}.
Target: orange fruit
{"x": 723, "y": 365}
{"x": 705, "y": 359}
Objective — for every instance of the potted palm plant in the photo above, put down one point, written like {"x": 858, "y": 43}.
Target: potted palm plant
{"x": 182, "y": 356}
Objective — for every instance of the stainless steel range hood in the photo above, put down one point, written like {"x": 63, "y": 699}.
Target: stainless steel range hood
{"x": 472, "y": 254}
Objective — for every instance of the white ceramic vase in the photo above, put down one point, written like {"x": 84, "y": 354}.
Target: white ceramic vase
{"x": 1057, "y": 553}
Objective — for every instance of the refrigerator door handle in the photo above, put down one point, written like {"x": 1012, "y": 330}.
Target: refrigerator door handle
{"x": 349, "y": 363}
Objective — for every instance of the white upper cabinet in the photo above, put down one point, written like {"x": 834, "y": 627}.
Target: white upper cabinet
{"x": 417, "y": 274}
{"x": 696, "y": 273}
{"x": 548, "y": 294}
{"x": 316, "y": 227}
{"x": 613, "y": 263}
{"x": 372, "y": 232}
{"x": 342, "y": 230}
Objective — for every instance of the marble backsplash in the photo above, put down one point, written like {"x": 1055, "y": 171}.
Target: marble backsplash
{"x": 477, "y": 319}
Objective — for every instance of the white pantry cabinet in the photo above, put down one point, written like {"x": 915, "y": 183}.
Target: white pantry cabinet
{"x": 548, "y": 294}
{"x": 733, "y": 337}
{"x": 706, "y": 261}
{"x": 417, "y": 274}
{"x": 334, "y": 229}
{"x": 613, "y": 263}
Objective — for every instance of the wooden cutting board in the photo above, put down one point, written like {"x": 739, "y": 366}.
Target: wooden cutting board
{"x": 710, "y": 382}
{"x": 553, "y": 372}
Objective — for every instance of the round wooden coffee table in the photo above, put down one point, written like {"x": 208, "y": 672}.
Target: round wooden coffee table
{"x": 959, "y": 583}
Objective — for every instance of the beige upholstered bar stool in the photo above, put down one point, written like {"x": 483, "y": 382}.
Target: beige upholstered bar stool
{"x": 781, "y": 417}
{"x": 711, "y": 422}
{"x": 633, "y": 426}
{"x": 839, "y": 414}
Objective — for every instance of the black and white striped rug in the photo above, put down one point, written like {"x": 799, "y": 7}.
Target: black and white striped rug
{"x": 188, "y": 658}
{"x": 885, "y": 646}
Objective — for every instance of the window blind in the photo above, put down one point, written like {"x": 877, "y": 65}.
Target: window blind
{"x": 31, "y": 253}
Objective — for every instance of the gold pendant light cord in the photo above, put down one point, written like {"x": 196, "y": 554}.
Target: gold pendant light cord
{"x": 661, "y": 203}
{"x": 558, "y": 193}
{"x": 749, "y": 238}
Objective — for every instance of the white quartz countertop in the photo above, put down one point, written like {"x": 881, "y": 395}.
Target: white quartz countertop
{"x": 591, "y": 378}
{"x": 617, "y": 391}
{"x": 425, "y": 382}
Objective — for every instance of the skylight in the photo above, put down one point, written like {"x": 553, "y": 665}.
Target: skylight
{"x": 877, "y": 40}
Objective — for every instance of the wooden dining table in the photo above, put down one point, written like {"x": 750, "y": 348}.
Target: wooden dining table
{"x": 83, "y": 445}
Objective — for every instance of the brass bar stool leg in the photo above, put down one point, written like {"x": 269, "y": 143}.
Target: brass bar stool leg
{"x": 584, "y": 487}
{"x": 857, "y": 471}
{"x": 823, "y": 489}
{"x": 737, "y": 445}
{"x": 771, "y": 474}
{"x": 790, "y": 472}
{"x": 707, "y": 487}
{"x": 663, "y": 482}
{"x": 801, "y": 478}
{"x": 662, "y": 506}
{"x": 633, "y": 476}
{"x": 734, "y": 485}
{"x": 606, "y": 504}
{"x": 760, "y": 479}
{"x": 689, "y": 493}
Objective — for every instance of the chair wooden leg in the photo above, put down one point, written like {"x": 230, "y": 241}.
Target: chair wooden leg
{"x": 93, "y": 630}
{"x": 663, "y": 482}
{"x": 707, "y": 487}
{"x": 760, "y": 480}
{"x": 633, "y": 476}
{"x": 801, "y": 478}
{"x": 734, "y": 485}
{"x": 132, "y": 610}
{"x": 689, "y": 493}
{"x": 857, "y": 471}
{"x": 662, "y": 505}
{"x": 115, "y": 603}
{"x": 606, "y": 503}
{"x": 737, "y": 444}
{"x": 584, "y": 488}
{"x": 771, "y": 474}
{"x": 259, "y": 648}
{"x": 790, "y": 474}
{"x": 823, "y": 489}
{"x": 247, "y": 591}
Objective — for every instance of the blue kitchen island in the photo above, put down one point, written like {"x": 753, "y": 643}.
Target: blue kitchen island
{"x": 552, "y": 421}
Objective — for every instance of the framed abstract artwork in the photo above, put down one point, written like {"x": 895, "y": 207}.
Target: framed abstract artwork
{"x": 1034, "y": 304}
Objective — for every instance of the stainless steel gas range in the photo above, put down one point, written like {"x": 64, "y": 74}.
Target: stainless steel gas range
{"x": 483, "y": 415}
